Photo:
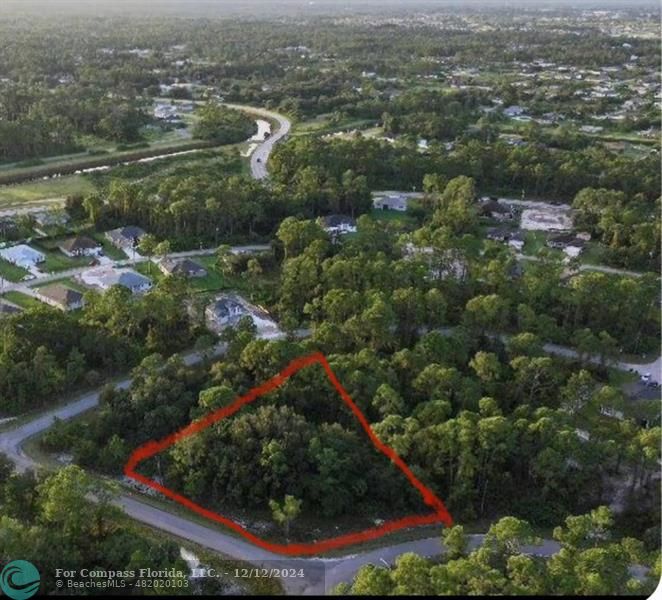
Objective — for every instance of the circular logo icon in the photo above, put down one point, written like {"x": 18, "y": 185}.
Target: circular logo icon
{"x": 19, "y": 580}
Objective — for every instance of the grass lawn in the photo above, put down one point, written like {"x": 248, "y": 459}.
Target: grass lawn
{"x": 69, "y": 282}
{"x": 322, "y": 125}
{"x": 11, "y": 272}
{"x": 617, "y": 377}
{"x": 108, "y": 249}
{"x": 34, "y": 191}
{"x": 392, "y": 215}
{"x": 56, "y": 261}
{"x": 216, "y": 281}
{"x": 592, "y": 254}
{"x": 149, "y": 269}
{"x": 22, "y": 300}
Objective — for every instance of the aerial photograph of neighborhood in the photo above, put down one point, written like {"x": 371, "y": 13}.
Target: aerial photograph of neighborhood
{"x": 330, "y": 298}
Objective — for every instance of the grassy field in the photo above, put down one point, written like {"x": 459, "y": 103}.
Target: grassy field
{"x": 393, "y": 216}
{"x": 149, "y": 269}
{"x": 11, "y": 272}
{"x": 35, "y": 191}
{"x": 22, "y": 300}
{"x": 322, "y": 125}
{"x": 69, "y": 282}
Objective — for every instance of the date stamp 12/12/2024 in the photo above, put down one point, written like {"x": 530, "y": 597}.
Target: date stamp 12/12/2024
{"x": 309, "y": 576}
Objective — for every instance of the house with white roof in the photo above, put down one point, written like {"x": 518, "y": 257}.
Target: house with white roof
{"x": 104, "y": 278}
{"x": 22, "y": 256}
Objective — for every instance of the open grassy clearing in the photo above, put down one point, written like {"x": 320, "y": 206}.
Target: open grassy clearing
{"x": 22, "y": 300}
{"x": 59, "y": 188}
{"x": 69, "y": 282}
{"x": 11, "y": 272}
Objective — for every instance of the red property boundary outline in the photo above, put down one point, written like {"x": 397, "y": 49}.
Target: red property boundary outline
{"x": 149, "y": 449}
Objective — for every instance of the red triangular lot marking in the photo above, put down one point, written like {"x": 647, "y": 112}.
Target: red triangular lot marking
{"x": 149, "y": 449}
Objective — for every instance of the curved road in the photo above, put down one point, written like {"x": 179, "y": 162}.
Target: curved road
{"x": 260, "y": 155}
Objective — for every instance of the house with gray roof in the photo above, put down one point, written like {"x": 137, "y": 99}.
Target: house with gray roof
{"x": 80, "y": 246}
{"x": 184, "y": 267}
{"x": 61, "y": 297}
{"x": 106, "y": 277}
{"x": 228, "y": 309}
{"x": 397, "y": 202}
{"x": 126, "y": 237}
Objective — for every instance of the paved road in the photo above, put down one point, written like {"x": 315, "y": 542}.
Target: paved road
{"x": 11, "y": 441}
{"x": 585, "y": 267}
{"x": 260, "y": 155}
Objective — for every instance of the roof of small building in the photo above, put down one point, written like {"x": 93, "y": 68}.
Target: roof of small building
{"x": 130, "y": 232}
{"x": 22, "y": 252}
{"x": 181, "y": 266}
{"x": 495, "y": 206}
{"x": 337, "y": 220}
{"x": 498, "y": 233}
{"x": 131, "y": 279}
{"x": 568, "y": 239}
{"x": 80, "y": 242}
{"x": 392, "y": 200}
{"x": 61, "y": 294}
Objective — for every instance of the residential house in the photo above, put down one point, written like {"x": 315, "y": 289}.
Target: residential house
{"x": 443, "y": 264}
{"x": 516, "y": 241}
{"x": 498, "y": 234}
{"x": 494, "y": 209}
{"x": 106, "y": 277}
{"x": 61, "y": 297}
{"x": 571, "y": 245}
{"x": 51, "y": 218}
{"x": 22, "y": 256}
{"x": 608, "y": 411}
{"x": 183, "y": 266}
{"x": 80, "y": 246}
{"x": 514, "y": 111}
{"x": 126, "y": 237}
{"x": 228, "y": 309}
{"x": 394, "y": 202}
{"x": 338, "y": 224}
{"x": 166, "y": 112}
